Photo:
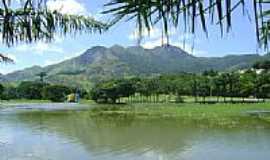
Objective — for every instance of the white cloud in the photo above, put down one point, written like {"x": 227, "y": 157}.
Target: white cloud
{"x": 152, "y": 44}
{"x": 158, "y": 42}
{"x": 58, "y": 39}
{"x": 67, "y": 7}
{"x": 50, "y": 62}
{"x": 12, "y": 56}
{"x": 187, "y": 47}
{"x": 39, "y": 48}
{"x": 153, "y": 33}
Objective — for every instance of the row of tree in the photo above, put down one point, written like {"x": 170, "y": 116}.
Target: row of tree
{"x": 35, "y": 90}
{"x": 208, "y": 84}
{"x": 254, "y": 83}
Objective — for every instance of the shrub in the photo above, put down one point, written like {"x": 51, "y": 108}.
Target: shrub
{"x": 56, "y": 93}
{"x": 10, "y": 93}
{"x": 30, "y": 90}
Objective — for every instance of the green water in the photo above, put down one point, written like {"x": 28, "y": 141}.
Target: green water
{"x": 75, "y": 135}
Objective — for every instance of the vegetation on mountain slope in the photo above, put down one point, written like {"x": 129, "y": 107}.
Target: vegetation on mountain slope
{"x": 101, "y": 63}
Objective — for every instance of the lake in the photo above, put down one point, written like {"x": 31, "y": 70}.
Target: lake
{"x": 41, "y": 134}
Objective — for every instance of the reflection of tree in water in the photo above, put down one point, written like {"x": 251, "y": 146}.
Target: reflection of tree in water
{"x": 3, "y": 149}
{"x": 117, "y": 137}
{"x": 121, "y": 120}
{"x": 114, "y": 134}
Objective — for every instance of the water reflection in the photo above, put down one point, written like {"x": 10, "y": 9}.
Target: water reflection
{"x": 73, "y": 135}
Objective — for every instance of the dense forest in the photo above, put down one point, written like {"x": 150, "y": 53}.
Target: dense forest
{"x": 224, "y": 86}
{"x": 37, "y": 90}
{"x": 253, "y": 83}
{"x": 248, "y": 84}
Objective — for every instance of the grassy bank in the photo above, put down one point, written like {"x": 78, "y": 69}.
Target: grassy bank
{"x": 217, "y": 114}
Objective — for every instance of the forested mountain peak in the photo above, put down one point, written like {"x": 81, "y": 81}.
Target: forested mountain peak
{"x": 99, "y": 62}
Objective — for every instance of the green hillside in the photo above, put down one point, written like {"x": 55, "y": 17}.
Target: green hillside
{"x": 99, "y": 63}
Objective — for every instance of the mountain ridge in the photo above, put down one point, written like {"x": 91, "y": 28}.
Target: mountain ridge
{"x": 99, "y": 62}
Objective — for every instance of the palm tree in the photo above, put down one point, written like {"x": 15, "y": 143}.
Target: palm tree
{"x": 32, "y": 21}
{"x": 186, "y": 13}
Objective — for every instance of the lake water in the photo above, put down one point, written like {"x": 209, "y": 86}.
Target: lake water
{"x": 27, "y": 134}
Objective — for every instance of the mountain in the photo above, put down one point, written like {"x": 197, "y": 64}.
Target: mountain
{"x": 100, "y": 63}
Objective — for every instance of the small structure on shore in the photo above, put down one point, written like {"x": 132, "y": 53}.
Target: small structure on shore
{"x": 73, "y": 98}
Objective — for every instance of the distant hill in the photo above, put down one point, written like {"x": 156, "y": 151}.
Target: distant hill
{"x": 100, "y": 63}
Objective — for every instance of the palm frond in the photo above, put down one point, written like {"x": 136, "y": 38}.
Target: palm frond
{"x": 5, "y": 59}
{"x": 186, "y": 13}
{"x": 33, "y": 21}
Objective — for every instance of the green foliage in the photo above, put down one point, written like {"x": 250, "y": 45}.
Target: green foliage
{"x": 9, "y": 93}
{"x": 109, "y": 92}
{"x": 262, "y": 65}
{"x": 234, "y": 85}
{"x": 56, "y": 93}
{"x": 2, "y": 89}
{"x": 36, "y": 90}
{"x": 30, "y": 90}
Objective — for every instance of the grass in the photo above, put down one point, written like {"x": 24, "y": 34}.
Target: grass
{"x": 220, "y": 114}
{"x": 217, "y": 114}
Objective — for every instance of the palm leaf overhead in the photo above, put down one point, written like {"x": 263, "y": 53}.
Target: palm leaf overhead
{"x": 187, "y": 13}
{"x": 33, "y": 21}
{"x": 4, "y": 58}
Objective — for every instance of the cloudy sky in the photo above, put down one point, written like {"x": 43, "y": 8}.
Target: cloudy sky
{"x": 241, "y": 40}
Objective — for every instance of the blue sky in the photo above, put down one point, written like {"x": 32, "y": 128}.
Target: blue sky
{"x": 241, "y": 40}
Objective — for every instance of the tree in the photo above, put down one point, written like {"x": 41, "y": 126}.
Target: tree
{"x": 246, "y": 85}
{"x": 30, "y": 90}
{"x": 223, "y": 82}
{"x": 180, "y": 90}
{"x": 195, "y": 88}
{"x": 31, "y": 21}
{"x": 210, "y": 73}
{"x": 186, "y": 13}
{"x": 41, "y": 76}
{"x": 262, "y": 65}
{"x": 56, "y": 93}
{"x": 218, "y": 86}
{"x": 262, "y": 85}
{"x": 111, "y": 91}
{"x": 204, "y": 87}
{"x": 233, "y": 84}
{"x": 10, "y": 92}
{"x": 264, "y": 91}
{"x": 125, "y": 88}
{"x": 2, "y": 89}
